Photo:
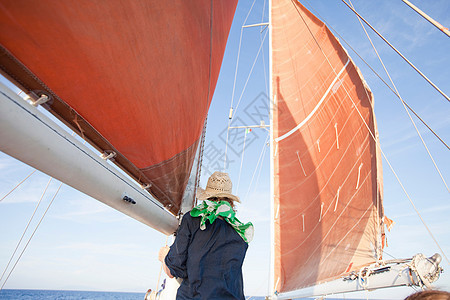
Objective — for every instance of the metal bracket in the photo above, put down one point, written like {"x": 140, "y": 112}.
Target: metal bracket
{"x": 106, "y": 155}
{"x": 42, "y": 99}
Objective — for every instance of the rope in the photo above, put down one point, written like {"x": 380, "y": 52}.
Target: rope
{"x": 429, "y": 231}
{"x": 242, "y": 161}
{"x": 160, "y": 269}
{"x": 240, "y": 98}
{"x": 234, "y": 85}
{"x": 29, "y": 240}
{"x": 200, "y": 160}
{"x": 375, "y": 72}
{"x": 401, "y": 99}
{"x": 251, "y": 71}
{"x": 258, "y": 164}
{"x": 17, "y": 186}
{"x": 373, "y": 137}
{"x": 26, "y": 228}
{"x": 398, "y": 52}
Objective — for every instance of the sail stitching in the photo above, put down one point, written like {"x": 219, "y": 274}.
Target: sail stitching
{"x": 348, "y": 232}
{"x": 326, "y": 211}
{"x": 337, "y": 219}
{"x": 315, "y": 108}
{"x": 329, "y": 150}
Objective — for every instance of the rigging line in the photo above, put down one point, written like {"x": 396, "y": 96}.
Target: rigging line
{"x": 398, "y": 52}
{"x": 226, "y": 146}
{"x": 26, "y": 228}
{"x": 382, "y": 80}
{"x": 239, "y": 52}
{"x": 200, "y": 161}
{"x": 428, "y": 18}
{"x": 398, "y": 179}
{"x": 390, "y": 166}
{"x": 29, "y": 240}
{"x": 262, "y": 159}
{"x": 261, "y": 155}
{"x": 17, "y": 186}
{"x": 401, "y": 99}
{"x": 230, "y": 117}
{"x": 410, "y": 200}
{"x": 263, "y": 59}
{"x": 242, "y": 161}
{"x": 161, "y": 268}
{"x": 250, "y": 73}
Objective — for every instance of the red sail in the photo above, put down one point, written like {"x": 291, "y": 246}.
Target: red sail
{"x": 133, "y": 77}
{"x": 327, "y": 184}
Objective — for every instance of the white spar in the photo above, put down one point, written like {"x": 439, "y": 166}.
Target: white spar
{"x": 31, "y": 137}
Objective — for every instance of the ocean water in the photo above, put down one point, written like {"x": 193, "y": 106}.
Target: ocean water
{"x": 67, "y": 295}
{"x": 81, "y": 295}
{"x": 75, "y": 295}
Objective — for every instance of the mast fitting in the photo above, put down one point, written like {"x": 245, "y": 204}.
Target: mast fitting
{"x": 105, "y": 155}
{"x": 43, "y": 98}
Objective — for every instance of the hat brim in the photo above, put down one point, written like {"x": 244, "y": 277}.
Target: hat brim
{"x": 204, "y": 194}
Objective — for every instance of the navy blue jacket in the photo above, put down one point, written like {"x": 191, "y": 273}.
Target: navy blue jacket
{"x": 209, "y": 261}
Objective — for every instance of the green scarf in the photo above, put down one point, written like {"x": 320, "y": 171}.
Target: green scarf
{"x": 210, "y": 210}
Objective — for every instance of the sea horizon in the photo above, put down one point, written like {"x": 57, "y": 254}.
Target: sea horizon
{"x": 47, "y": 294}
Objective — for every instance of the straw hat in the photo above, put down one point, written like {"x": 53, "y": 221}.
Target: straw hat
{"x": 219, "y": 185}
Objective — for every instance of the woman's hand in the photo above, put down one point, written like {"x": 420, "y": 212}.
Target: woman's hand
{"x": 161, "y": 256}
{"x": 162, "y": 253}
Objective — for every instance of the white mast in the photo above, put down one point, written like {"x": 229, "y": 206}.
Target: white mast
{"x": 272, "y": 170}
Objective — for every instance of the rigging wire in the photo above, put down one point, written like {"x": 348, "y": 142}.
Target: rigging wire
{"x": 234, "y": 86}
{"x": 242, "y": 161}
{"x": 378, "y": 145}
{"x": 378, "y": 75}
{"x": 250, "y": 73}
{"x": 398, "y": 52}
{"x": 428, "y": 18}
{"x": 26, "y": 228}
{"x": 17, "y": 186}
{"x": 258, "y": 165}
{"x": 29, "y": 240}
{"x": 401, "y": 99}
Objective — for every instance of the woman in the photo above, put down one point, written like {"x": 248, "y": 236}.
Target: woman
{"x": 210, "y": 245}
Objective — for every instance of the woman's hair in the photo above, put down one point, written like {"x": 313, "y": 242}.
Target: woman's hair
{"x": 216, "y": 199}
{"x": 429, "y": 295}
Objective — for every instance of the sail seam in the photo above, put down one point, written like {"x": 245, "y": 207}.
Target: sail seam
{"x": 337, "y": 219}
{"x": 315, "y": 108}
{"x": 326, "y": 211}
{"x": 329, "y": 150}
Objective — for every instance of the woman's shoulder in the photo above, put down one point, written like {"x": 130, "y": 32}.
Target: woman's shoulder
{"x": 188, "y": 218}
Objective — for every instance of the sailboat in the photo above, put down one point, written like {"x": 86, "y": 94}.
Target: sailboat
{"x": 326, "y": 212}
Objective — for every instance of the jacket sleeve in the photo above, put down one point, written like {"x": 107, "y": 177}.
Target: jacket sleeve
{"x": 177, "y": 256}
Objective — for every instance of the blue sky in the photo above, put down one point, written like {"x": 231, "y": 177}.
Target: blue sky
{"x": 83, "y": 244}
